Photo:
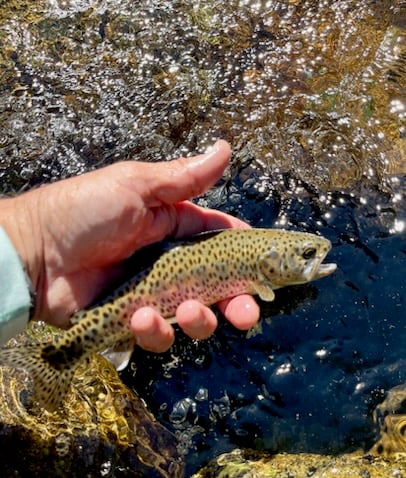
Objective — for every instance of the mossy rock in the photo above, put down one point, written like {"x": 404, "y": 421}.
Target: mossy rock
{"x": 390, "y": 416}
{"x": 102, "y": 429}
{"x": 386, "y": 458}
{"x": 252, "y": 464}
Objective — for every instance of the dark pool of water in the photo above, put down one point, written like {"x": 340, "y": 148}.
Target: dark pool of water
{"x": 326, "y": 353}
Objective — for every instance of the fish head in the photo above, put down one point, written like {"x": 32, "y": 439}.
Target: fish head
{"x": 295, "y": 258}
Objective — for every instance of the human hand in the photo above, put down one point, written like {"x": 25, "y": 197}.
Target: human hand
{"x": 72, "y": 236}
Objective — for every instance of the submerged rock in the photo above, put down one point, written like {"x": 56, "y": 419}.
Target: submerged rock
{"x": 309, "y": 88}
{"x": 251, "y": 464}
{"x": 103, "y": 429}
{"x": 390, "y": 416}
{"x": 386, "y": 458}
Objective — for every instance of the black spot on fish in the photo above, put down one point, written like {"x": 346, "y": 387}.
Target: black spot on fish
{"x": 62, "y": 357}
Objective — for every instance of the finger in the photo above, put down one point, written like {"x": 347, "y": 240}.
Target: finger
{"x": 174, "y": 181}
{"x": 192, "y": 219}
{"x": 242, "y": 311}
{"x": 151, "y": 331}
{"x": 196, "y": 320}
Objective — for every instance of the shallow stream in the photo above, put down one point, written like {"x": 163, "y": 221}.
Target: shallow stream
{"x": 311, "y": 95}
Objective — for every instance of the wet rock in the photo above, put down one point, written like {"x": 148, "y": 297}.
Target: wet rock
{"x": 251, "y": 464}
{"x": 390, "y": 416}
{"x": 102, "y": 430}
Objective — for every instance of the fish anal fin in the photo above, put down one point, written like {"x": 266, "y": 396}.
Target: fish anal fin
{"x": 119, "y": 355}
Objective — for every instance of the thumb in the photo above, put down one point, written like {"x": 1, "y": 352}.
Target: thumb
{"x": 175, "y": 181}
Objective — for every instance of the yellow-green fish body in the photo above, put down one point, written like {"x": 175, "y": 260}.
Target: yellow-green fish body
{"x": 209, "y": 268}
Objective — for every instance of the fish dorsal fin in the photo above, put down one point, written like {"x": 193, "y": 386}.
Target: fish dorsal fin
{"x": 146, "y": 256}
{"x": 139, "y": 264}
{"x": 202, "y": 236}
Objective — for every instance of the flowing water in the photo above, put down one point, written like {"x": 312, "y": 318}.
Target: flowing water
{"x": 311, "y": 95}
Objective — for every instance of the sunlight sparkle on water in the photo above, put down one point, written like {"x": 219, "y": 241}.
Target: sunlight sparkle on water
{"x": 322, "y": 353}
{"x": 397, "y": 106}
{"x": 258, "y": 5}
{"x": 283, "y": 369}
{"x": 360, "y": 386}
{"x": 282, "y": 221}
{"x": 398, "y": 226}
{"x": 396, "y": 198}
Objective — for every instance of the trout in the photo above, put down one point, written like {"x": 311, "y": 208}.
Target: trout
{"x": 210, "y": 267}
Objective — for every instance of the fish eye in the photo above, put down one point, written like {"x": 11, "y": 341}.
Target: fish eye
{"x": 309, "y": 253}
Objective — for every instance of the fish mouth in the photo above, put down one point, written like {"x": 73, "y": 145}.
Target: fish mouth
{"x": 324, "y": 270}
{"x": 316, "y": 270}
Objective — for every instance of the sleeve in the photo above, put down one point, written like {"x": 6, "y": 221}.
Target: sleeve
{"x": 15, "y": 287}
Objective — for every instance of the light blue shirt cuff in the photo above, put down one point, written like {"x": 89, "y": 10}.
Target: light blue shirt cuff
{"x": 15, "y": 300}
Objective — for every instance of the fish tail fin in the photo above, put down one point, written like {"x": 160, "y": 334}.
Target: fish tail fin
{"x": 51, "y": 374}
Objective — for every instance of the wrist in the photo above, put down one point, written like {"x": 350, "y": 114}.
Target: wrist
{"x": 19, "y": 217}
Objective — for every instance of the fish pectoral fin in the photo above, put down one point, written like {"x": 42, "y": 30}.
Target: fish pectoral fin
{"x": 264, "y": 290}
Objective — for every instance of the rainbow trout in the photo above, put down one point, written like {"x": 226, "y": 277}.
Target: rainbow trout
{"x": 210, "y": 267}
